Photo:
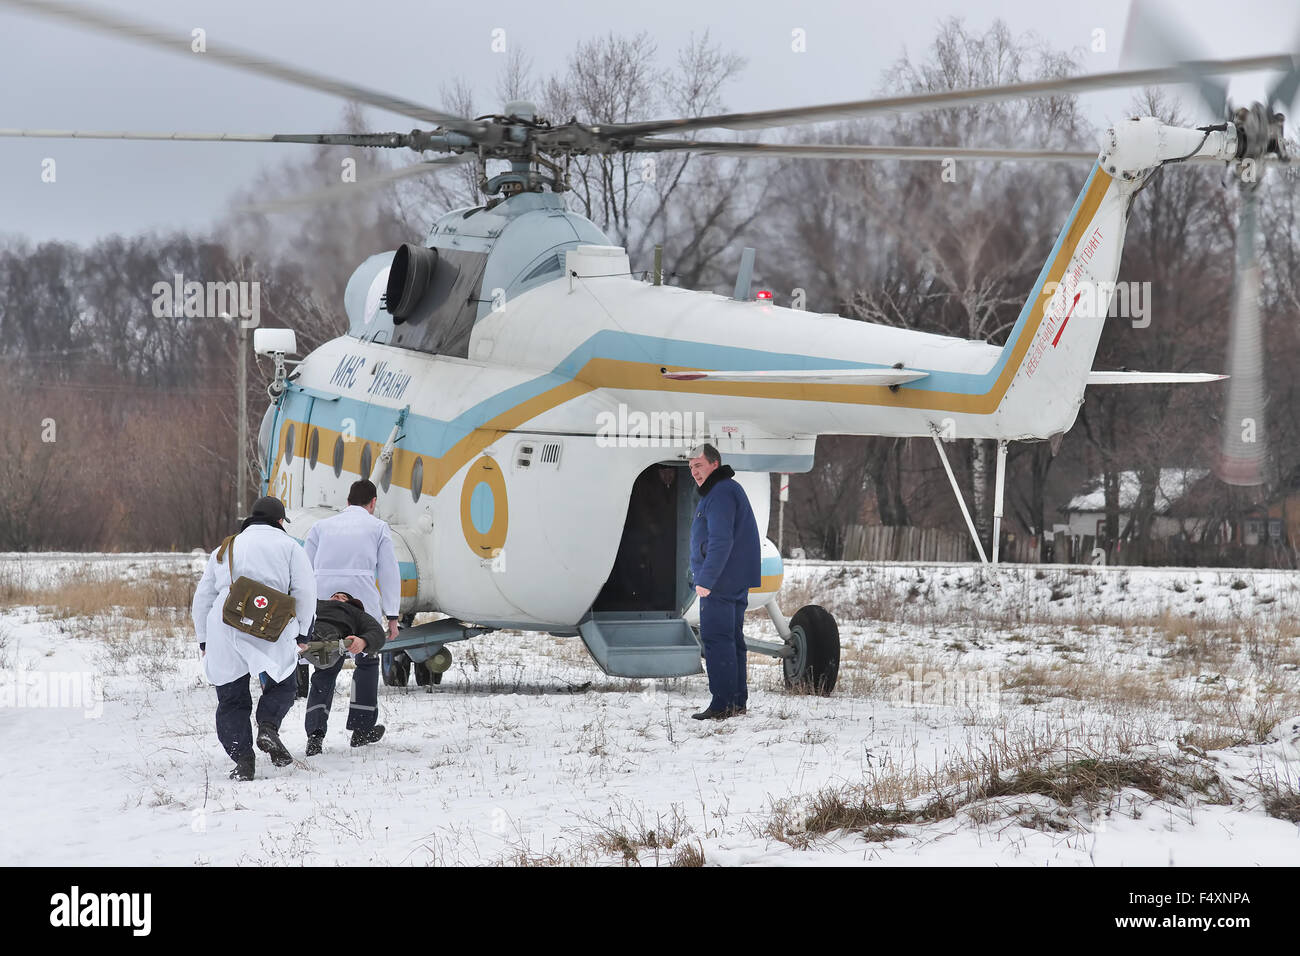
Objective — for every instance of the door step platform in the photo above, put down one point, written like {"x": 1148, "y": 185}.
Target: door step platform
{"x": 631, "y": 644}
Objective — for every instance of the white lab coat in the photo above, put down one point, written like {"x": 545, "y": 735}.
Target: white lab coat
{"x": 270, "y": 556}
{"x": 349, "y": 551}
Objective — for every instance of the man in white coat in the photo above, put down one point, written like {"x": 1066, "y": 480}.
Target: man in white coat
{"x": 264, "y": 552}
{"x": 349, "y": 552}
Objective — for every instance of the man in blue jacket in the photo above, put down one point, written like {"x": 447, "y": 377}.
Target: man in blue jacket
{"x": 725, "y": 560}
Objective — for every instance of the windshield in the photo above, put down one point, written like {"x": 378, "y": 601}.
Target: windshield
{"x": 264, "y": 438}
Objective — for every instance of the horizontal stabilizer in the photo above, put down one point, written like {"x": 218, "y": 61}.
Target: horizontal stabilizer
{"x": 1151, "y": 378}
{"x": 832, "y": 376}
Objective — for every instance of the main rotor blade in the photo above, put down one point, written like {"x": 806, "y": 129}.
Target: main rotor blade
{"x": 344, "y": 191}
{"x": 1160, "y": 39}
{"x": 852, "y": 151}
{"x": 944, "y": 100}
{"x": 318, "y": 139}
{"x": 1284, "y": 90}
{"x": 1244, "y": 447}
{"x": 103, "y": 21}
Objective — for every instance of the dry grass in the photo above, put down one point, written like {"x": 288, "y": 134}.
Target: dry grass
{"x": 983, "y": 785}
{"x": 1231, "y": 682}
{"x": 135, "y": 620}
{"x": 525, "y": 857}
{"x": 626, "y": 834}
{"x": 1091, "y": 780}
{"x": 866, "y": 670}
{"x": 689, "y": 854}
{"x": 159, "y": 593}
{"x": 13, "y": 584}
{"x": 1282, "y": 800}
{"x": 1012, "y": 597}
{"x": 1200, "y": 741}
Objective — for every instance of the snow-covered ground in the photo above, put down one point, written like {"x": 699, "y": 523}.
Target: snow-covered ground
{"x": 957, "y": 686}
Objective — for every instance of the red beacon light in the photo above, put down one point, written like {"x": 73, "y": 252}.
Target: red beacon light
{"x": 763, "y": 296}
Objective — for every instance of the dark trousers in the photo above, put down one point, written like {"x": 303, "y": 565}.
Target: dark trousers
{"x": 235, "y": 706}
{"x": 364, "y": 708}
{"x": 722, "y": 622}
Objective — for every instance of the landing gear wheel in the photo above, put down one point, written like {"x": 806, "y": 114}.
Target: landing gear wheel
{"x": 428, "y": 673}
{"x": 396, "y": 668}
{"x": 815, "y": 664}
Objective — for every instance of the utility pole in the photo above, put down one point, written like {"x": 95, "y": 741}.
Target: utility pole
{"x": 241, "y": 453}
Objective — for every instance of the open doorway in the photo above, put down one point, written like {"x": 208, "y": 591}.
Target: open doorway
{"x": 650, "y": 570}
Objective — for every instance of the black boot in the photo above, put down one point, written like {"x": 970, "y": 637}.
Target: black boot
{"x": 304, "y": 679}
{"x": 710, "y": 714}
{"x": 244, "y": 767}
{"x": 268, "y": 740}
{"x": 315, "y": 744}
{"x": 362, "y": 737}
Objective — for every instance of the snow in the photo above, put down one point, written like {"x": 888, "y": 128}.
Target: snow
{"x": 527, "y": 753}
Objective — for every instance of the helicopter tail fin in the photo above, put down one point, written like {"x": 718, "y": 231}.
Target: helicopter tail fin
{"x": 1049, "y": 353}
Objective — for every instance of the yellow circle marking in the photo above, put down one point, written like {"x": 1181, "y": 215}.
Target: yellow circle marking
{"x": 483, "y": 499}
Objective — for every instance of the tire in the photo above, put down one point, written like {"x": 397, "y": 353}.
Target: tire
{"x": 396, "y": 668}
{"x": 815, "y": 665}
{"x": 429, "y": 672}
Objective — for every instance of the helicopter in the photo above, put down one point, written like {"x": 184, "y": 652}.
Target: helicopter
{"x": 526, "y": 401}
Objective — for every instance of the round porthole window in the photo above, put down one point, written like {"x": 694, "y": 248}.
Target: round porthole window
{"x": 338, "y": 456}
{"x": 313, "y": 448}
{"x": 366, "y": 461}
{"x": 288, "y": 444}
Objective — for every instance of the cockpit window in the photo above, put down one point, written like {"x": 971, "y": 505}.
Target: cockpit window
{"x": 264, "y": 436}
{"x": 545, "y": 267}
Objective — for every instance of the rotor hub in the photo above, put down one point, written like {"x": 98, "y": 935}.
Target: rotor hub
{"x": 1259, "y": 133}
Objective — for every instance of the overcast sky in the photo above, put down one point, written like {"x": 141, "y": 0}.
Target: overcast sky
{"x": 62, "y": 76}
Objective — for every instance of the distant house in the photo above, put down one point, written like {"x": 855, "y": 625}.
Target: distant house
{"x": 1278, "y": 521}
{"x": 1085, "y": 515}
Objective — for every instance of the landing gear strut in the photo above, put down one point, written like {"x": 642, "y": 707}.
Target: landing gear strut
{"x": 395, "y": 666}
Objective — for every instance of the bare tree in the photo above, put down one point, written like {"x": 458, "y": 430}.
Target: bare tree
{"x": 942, "y": 248}
{"x": 327, "y": 240}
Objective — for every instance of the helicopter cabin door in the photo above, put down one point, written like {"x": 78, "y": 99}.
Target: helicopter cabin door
{"x": 649, "y": 573}
{"x": 635, "y": 628}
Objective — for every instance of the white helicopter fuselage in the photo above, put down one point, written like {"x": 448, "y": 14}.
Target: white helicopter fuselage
{"x": 546, "y": 378}
{"x": 509, "y": 481}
